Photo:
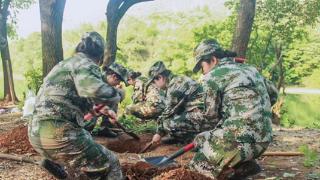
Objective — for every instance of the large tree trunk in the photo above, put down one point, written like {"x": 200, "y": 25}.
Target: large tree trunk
{"x": 115, "y": 11}
{"x": 9, "y": 92}
{"x": 243, "y": 28}
{"x": 51, "y": 13}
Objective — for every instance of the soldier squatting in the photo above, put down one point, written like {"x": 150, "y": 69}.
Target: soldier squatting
{"x": 227, "y": 113}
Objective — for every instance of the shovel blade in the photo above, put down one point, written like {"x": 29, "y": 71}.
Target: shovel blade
{"x": 158, "y": 161}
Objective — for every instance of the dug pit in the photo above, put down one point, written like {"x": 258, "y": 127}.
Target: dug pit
{"x": 125, "y": 143}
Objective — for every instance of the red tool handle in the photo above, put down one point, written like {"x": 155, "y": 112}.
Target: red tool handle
{"x": 239, "y": 59}
{"x": 89, "y": 116}
{"x": 188, "y": 147}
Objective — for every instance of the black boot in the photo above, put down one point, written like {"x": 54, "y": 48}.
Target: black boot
{"x": 53, "y": 168}
{"x": 105, "y": 132}
{"x": 245, "y": 169}
{"x": 171, "y": 140}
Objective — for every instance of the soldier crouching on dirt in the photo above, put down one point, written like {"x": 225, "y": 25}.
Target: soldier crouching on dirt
{"x": 182, "y": 117}
{"x": 113, "y": 75}
{"x": 70, "y": 90}
{"x": 148, "y": 102}
{"x": 237, "y": 101}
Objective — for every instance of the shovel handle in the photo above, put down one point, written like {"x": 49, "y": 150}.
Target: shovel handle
{"x": 179, "y": 153}
{"x": 90, "y": 115}
{"x": 132, "y": 134}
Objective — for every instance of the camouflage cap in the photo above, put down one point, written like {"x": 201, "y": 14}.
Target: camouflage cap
{"x": 96, "y": 38}
{"x": 121, "y": 71}
{"x": 133, "y": 74}
{"x": 205, "y": 48}
{"x": 156, "y": 69}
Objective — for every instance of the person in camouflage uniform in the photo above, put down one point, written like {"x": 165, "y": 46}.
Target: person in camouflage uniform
{"x": 148, "y": 102}
{"x": 113, "y": 75}
{"x": 238, "y": 103}
{"x": 182, "y": 117}
{"x": 68, "y": 92}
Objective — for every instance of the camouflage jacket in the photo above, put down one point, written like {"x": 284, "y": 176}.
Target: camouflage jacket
{"x": 139, "y": 89}
{"x": 237, "y": 100}
{"x": 70, "y": 90}
{"x": 182, "y": 94}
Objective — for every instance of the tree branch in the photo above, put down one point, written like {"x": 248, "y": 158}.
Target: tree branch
{"x": 6, "y": 4}
{"x": 126, "y": 5}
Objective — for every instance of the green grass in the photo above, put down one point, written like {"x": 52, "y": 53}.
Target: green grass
{"x": 301, "y": 111}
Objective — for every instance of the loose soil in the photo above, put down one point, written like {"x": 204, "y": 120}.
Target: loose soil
{"x": 14, "y": 140}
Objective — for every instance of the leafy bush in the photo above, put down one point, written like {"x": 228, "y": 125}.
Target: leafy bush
{"x": 34, "y": 79}
{"x": 132, "y": 123}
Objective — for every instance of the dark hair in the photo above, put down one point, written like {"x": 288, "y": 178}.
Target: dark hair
{"x": 134, "y": 75}
{"x": 165, "y": 73}
{"x": 87, "y": 46}
{"x": 220, "y": 53}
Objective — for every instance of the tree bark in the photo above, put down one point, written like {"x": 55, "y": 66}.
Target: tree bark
{"x": 115, "y": 11}
{"x": 279, "y": 56}
{"x": 243, "y": 28}
{"x": 9, "y": 92}
{"x": 51, "y": 15}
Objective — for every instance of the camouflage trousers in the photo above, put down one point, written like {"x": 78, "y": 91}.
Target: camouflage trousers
{"x": 186, "y": 125}
{"x": 215, "y": 154}
{"x": 144, "y": 110}
{"x": 64, "y": 143}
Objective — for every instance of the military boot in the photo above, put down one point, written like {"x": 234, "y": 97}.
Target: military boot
{"x": 53, "y": 168}
{"x": 105, "y": 132}
{"x": 245, "y": 169}
{"x": 171, "y": 140}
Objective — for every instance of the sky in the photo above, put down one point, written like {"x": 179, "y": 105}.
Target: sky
{"x": 78, "y": 12}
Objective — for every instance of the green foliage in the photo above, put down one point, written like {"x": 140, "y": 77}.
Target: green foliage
{"x": 302, "y": 57}
{"x": 14, "y": 8}
{"x": 311, "y": 157}
{"x": 132, "y": 123}
{"x": 312, "y": 81}
{"x": 34, "y": 79}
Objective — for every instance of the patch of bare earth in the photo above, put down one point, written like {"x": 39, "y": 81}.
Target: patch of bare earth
{"x": 13, "y": 140}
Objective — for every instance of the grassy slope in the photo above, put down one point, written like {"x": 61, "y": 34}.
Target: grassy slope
{"x": 304, "y": 110}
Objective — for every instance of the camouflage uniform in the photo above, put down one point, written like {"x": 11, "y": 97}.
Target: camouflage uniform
{"x": 56, "y": 132}
{"x": 148, "y": 103}
{"x": 237, "y": 102}
{"x": 182, "y": 117}
{"x": 103, "y": 129}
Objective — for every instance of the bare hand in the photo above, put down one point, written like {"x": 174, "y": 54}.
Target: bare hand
{"x": 156, "y": 139}
{"x": 110, "y": 113}
{"x": 112, "y": 116}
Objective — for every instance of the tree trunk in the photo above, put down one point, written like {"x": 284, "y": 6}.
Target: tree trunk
{"x": 279, "y": 56}
{"x": 243, "y": 28}
{"x": 115, "y": 11}
{"x": 51, "y": 13}
{"x": 9, "y": 92}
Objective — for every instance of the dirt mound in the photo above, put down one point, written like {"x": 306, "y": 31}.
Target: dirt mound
{"x": 16, "y": 141}
{"x": 142, "y": 170}
{"x": 125, "y": 143}
{"x": 181, "y": 174}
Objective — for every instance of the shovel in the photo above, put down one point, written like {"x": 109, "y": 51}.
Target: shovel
{"x": 161, "y": 161}
{"x": 90, "y": 115}
{"x": 146, "y": 147}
